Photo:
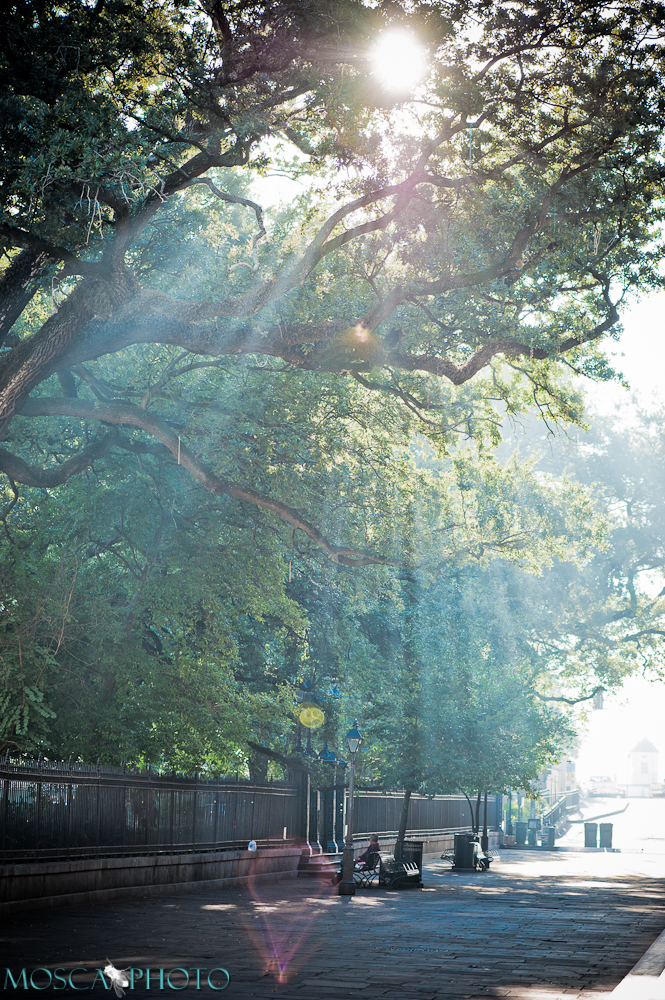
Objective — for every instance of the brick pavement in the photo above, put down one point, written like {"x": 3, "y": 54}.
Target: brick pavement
{"x": 537, "y": 927}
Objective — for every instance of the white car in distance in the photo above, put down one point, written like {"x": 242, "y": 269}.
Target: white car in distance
{"x": 602, "y": 785}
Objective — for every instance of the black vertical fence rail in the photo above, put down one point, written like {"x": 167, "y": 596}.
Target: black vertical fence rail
{"x": 56, "y": 811}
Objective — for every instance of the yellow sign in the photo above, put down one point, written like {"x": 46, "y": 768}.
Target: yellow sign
{"x": 312, "y": 717}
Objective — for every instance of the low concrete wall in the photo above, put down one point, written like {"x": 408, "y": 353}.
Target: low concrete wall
{"x": 57, "y": 883}
{"x": 38, "y": 886}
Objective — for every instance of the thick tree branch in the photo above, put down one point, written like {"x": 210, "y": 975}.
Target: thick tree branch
{"x": 21, "y": 472}
{"x": 134, "y": 416}
{"x": 17, "y": 286}
{"x": 294, "y": 763}
{"x": 20, "y": 238}
{"x": 571, "y": 701}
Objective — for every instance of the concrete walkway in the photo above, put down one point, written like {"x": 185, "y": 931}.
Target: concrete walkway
{"x": 538, "y": 926}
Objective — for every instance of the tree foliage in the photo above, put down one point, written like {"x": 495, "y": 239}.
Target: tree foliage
{"x": 503, "y": 211}
{"x": 131, "y": 583}
{"x": 216, "y": 409}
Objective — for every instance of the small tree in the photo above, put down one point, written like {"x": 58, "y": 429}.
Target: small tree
{"x": 461, "y": 712}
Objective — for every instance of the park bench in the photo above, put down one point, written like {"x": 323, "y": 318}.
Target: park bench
{"x": 369, "y": 871}
{"x": 383, "y": 868}
{"x": 481, "y": 860}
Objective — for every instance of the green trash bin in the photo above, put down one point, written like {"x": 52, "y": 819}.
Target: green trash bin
{"x": 605, "y": 834}
{"x": 520, "y": 834}
{"x": 464, "y": 850}
{"x": 591, "y": 834}
{"x": 549, "y": 833}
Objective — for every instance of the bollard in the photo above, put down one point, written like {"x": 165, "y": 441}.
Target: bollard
{"x": 520, "y": 834}
{"x": 590, "y": 834}
{"x": 605, "y": 834}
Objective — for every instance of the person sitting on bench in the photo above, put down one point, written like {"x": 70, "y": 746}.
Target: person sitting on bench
{"x": 364, "y": 860}
{"x": 372, "y": 849}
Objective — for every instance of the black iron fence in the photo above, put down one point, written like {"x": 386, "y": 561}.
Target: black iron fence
{"x": 51, "y": 810}
{"x": 379, "y": 811}
{"x": 56, "y": 811}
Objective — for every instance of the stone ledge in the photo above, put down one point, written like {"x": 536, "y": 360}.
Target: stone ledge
{"x": 142, "y": 861}
{"x": 33, "y": 886}
{"x": 141, "y": 892}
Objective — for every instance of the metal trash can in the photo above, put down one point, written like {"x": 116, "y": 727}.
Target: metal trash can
{"x": 548, "y": 835}
{"x": 464, "y": 850}
{"x": 520, "y": 834}
{"x": 591, "y": 834}
{"x": 412, "y": 850}
{"x": 534, "y": 827}
{"x": 605, "y": 834}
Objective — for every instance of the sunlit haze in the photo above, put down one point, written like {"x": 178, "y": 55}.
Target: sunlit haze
{"x": 638, "y": 710}
{"x": 399, "y": 61}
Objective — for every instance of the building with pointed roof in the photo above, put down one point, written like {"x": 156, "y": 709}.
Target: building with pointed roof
{"x": 644, "y": 746}
{"x": 642, "y": 768}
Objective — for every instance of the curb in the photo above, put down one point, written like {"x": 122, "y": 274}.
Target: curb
{"x": 646, "y": 980}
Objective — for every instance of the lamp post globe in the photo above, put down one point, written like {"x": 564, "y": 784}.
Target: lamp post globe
{"x": 354, "y": 738}
{"x": 347, "y": 886}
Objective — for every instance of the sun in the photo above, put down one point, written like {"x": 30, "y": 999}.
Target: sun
{"x": 399, "y": 61}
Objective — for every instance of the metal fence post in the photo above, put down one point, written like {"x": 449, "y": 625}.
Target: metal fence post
{"x": 269, "y": 823}
{"x": 39, "y": 803}
{"x": 124, "y": 805}
{"x": 216, "y": 824}
{"x": 99, "y": 792}
{"x": 5, "y": 805}
{"x": 196, "y": 778}
{"x": 150, "y": 807}
{"x": 172, "y": 816}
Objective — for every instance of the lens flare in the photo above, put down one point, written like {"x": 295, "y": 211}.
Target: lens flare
{"x": 282, "y": 933}
{"x": 312, "y": 717}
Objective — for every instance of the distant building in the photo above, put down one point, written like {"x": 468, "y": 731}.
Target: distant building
{"x": 561, "y": 779}
{"x": 642, "y": 769}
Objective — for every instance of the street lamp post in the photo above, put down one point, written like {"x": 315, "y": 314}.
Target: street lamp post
{"x": 347, "y": 886}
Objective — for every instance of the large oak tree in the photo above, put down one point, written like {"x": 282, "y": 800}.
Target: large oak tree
{"x": 487, "y": 226}
{"x": 191, "y": 370}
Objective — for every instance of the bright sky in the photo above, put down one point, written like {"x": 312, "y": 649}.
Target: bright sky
{"x": 640, "y": 355}
{"x": 639, "y": 711}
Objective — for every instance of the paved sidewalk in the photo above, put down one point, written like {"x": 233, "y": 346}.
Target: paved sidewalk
{"x": 537, "y": 926}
